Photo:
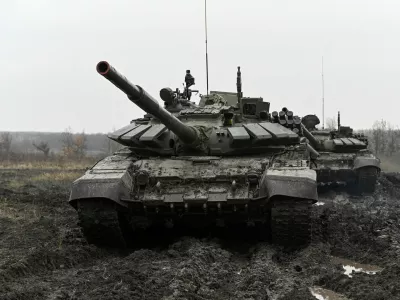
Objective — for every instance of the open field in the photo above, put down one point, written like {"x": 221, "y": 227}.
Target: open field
{"x": 44, "y": 256}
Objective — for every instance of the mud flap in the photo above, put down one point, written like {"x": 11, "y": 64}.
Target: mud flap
{"x": 112, "y": 186}
{"x": 300, "y": 183}
{"x": 362, "y": 161}
{"x": 367, "y": 170}
{"x": 291, "y": 194}
{"x": 96, "y": 197}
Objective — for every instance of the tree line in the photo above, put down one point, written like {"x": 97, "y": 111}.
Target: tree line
{"x": 49, "y": 144}
{"x": 383, "y": 137}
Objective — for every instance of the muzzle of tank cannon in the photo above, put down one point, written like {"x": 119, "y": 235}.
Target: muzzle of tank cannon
{"x": 141, "y": 98}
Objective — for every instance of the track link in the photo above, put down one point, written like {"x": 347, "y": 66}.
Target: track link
{"x": 291, "y": 222}
{"x": 100, "y": 223}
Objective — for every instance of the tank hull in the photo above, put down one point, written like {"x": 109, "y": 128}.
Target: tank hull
{"x": 123, "y": 195}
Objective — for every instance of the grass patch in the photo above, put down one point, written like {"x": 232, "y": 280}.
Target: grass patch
{"x": 8, "y": 211}
{"x": 54, "y": 165}
{"x": 15, "y": 184}
{"x": 57, "y": 176}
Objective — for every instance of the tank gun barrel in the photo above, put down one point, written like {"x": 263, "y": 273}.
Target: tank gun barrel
{"x": 146, "y": 102}
{"x": 313, "y": 141}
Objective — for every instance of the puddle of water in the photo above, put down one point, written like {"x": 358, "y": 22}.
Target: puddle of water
{"x": 349, "y": 266}
{"x": 324, "y": 294}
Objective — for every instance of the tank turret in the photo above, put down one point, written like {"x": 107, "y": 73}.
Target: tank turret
{"x": 142, "y": 99}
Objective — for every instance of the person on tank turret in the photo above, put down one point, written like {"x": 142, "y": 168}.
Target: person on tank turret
{"x": 189, "y": 80}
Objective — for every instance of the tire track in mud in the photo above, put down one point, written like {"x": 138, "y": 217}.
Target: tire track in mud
{"x": 188, "y": 269}
{"x": 365, "y": 229}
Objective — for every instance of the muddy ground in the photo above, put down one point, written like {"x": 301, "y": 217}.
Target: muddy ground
{"x": 44, "y": 256}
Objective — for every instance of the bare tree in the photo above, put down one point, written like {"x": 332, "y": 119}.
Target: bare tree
{"x": 67, "y": 140}
{"x": 5, "y": 142}
{"x": 43, "y": 147}
{"x": 379, "y": 133}
{"x": 331, "y": 123}
{"x": 393, "y": 136}
{"x": 73, "y": 145}
{"x": 80, "y": 144}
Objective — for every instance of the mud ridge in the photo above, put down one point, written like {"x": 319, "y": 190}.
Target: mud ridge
{"x": 43, "y": 254}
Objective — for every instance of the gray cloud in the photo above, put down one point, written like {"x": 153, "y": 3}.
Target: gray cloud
{"x": 50, "y": 48}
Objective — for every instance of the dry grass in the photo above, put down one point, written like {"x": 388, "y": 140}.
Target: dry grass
{"x": 54, "y": 165}
{"x": 15, "y": 184}
{"x": 8, "y": 210}
{"x": 41, "y": 179}
{"x": 57, "y": 176}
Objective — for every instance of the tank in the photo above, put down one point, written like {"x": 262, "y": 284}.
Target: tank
{"x": 220, "y": 163}
{"x": 344, "y": 159}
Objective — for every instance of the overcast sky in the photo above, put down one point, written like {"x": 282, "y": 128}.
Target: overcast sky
{"x": 50, "y": 48}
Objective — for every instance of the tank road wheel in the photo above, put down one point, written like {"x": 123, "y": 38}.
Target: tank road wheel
{"x": 100, "y": 223}
{"x": 366, "y": 180}
{"x": 291, "y": 222}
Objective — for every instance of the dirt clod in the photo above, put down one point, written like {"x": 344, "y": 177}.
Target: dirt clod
{"x": 43, "y": 254}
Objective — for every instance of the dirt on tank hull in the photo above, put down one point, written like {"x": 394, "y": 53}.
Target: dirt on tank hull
{"x": 139, "y": 194}
{"x": 357, "y": 174}
{"x": 216, "y": 164}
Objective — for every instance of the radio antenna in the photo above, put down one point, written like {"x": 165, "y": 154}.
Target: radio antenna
{"x": 205, "y": 19}
{"x": 323, "y": 96}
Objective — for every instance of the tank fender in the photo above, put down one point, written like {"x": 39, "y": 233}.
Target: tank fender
{"x": 362, "y": 161}
{"x": 112, "y": 186}
{"x": 298, "y": 183}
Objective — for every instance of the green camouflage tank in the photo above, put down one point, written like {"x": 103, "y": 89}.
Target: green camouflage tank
{"x": 222, "y": 162}
{"x": 343, "y": 157}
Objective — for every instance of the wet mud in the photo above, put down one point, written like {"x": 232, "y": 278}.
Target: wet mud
{"x": 324, "y": 294}
{"x": 43, "y": 254}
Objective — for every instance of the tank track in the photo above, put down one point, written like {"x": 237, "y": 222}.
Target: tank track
{"x": 103, "y": 226}
{"x": 101, "y": 223}
{"x": 366, "y": 180}
{"x": 291, "y": 222}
